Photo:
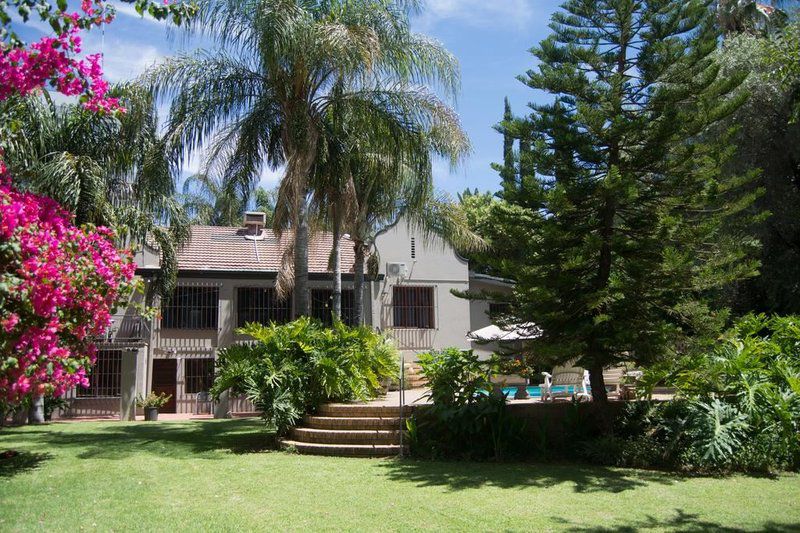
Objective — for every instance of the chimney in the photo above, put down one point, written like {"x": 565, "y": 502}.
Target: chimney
{"x": 255, "y": 221}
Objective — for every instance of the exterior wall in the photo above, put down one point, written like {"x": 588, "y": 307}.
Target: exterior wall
{"x": 479, "y": 311}
{"x": 435, "y": 265}
{"x": 185, "y": 344}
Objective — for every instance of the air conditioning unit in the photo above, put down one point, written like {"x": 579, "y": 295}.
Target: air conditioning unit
{"x": 397, "y": 270}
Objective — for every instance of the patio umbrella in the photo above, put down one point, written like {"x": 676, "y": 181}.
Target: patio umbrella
{"x": 510, "y": 332}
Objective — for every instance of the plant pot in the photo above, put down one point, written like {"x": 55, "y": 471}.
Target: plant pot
{"x": 522, "y": 393}
{"x": 151, "y": 414}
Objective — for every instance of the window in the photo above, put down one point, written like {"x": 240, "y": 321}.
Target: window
{"x": 498, "y": 308}
{"x": 104, "y": 380}
{"x": 192, "y": 308}
{"x": 413, "y": 248}
{"x": 254, "y": 304}
{"x": 322, "y": 306}
{"x": 198, "y": 375}
{"x": 413, "y": 307}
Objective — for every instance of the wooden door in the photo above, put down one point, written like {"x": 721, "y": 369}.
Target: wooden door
{"x": 165, "y": 379}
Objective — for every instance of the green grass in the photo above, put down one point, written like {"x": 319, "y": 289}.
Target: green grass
{"x": 221, "y": 475}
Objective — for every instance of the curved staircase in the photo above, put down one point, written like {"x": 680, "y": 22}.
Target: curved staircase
{"x": 349, "y": 430}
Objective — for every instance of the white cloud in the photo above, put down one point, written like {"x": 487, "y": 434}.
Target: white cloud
{"x": 480, "y": 13}
{"x": 127, "y": 10}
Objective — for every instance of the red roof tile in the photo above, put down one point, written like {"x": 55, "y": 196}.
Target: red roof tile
{"x": 225, "y": 248}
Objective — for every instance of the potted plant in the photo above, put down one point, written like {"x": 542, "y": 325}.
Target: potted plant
{"x": 523, "y": 370}
{"x": 152, "y": 403}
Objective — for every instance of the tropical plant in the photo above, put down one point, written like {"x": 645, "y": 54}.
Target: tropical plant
{"x": 289, "y": 370}
{"x": 738, "y": 404}
{"x": 456, "y": 377}
{"x": 466, "y": 420}
{"x": 107, "y": 169}
{"x": 384, "y": 190}
{"x": 281, "y": 72}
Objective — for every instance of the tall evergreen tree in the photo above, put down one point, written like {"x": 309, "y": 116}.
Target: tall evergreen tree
{"x": 628, "y": 200}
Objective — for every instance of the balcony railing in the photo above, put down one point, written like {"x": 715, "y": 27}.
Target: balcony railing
{"x": 127, "y": 328}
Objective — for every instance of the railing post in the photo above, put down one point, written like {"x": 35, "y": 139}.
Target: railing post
{"x": 401, "y": 396}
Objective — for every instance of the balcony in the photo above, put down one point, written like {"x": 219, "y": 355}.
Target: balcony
{"x": 126, "y": 328}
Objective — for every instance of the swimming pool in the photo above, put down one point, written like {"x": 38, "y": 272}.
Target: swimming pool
{"x": 536, "y": 391}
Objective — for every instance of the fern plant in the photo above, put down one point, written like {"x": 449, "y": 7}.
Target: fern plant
{"x": 289, "y": 370}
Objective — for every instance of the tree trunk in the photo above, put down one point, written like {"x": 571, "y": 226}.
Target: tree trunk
{"x": 301, "y": 307}
{"x": 36, "y": 411}
{"x": 598, "y": 384}
{"x": 337, "y": 269}
{"x": 358, "y": 283}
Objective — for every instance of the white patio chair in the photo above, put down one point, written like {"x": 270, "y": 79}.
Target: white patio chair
{"x": 203, "y": 398}
{"x": 568, "y": 377}
{"x": 614, "y": 378}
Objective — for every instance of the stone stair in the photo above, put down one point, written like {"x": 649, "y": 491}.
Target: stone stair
{"x": 349, "y": 430}
{"x": 413, "y": 376}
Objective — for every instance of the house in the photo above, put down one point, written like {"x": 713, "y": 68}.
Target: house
{"x": 226, "y": 278}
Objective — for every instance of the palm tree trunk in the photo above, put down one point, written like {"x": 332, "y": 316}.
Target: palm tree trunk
{"x": 301, "y": 307}
{"x": 337, "y": 268}
{"x": 358, "y": 283}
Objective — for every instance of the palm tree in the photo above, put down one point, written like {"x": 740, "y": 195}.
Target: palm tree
{"x": 107, "y": 170}
{"x": 209, "y": 201}
{"x": 264, "y": 96}
{"x": 383, "y": 199}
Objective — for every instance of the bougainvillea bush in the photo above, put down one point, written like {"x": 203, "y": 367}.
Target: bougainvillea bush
{"x": 59, "y": 285}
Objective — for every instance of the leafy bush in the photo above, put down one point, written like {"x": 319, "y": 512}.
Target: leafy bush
{"x": 456, "y": 377}
{"x": 153, "y": 400}
{"x": 466, "y": 420}
{"x": 737, "y": 407}
{"x": 291, "y": 369}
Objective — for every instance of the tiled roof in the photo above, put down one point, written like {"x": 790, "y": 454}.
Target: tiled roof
{"x": 226, "y": 248}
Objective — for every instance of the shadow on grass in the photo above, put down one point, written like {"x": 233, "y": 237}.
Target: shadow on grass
{"x": 682, "y": 521}
{"x": 13, "y": 462}
{"x": 187, "y": 440}
{"x": 462, "y": 475}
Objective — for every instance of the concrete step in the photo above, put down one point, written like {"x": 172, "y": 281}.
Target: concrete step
{"x": 362, "y": 410}
{"x": 345, "y": 436}
{"x": 356, "y": 422}
{"x": 342, "y": 450}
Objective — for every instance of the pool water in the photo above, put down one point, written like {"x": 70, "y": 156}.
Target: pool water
{"x": 536, "y": 391}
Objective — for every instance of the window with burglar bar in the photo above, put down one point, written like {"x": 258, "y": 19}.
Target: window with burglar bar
{"x": 498, "y": 308}
{"x": 198, "y": 375}
{"x": 322, "y": 306}
{"x": 191, "y": 308}
{"x": 104, "y": 381}
{"x": 413, "y": 307}
{"x": 261, "y": 305}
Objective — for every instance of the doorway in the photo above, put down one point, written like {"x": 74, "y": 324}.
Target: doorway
{"x": 165, "y": 379}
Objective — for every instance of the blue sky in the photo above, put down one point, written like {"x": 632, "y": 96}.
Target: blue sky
{"x": 491, "y": 39}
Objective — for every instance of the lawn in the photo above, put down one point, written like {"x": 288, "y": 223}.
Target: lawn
{"x": 221, "y": 475}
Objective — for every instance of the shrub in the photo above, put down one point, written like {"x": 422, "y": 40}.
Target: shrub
{"x": 466, "y": 420}
{"x": 737, "y": 406}
{"x": 289, "y": 370}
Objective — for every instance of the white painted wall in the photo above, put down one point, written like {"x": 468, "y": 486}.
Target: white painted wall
{"x": 435, "y": 264}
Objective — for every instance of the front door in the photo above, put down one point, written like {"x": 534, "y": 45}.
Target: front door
{"x": 165, "y": 379}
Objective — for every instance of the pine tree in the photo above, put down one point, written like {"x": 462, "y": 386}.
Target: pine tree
{"x": 628, "y": 199}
